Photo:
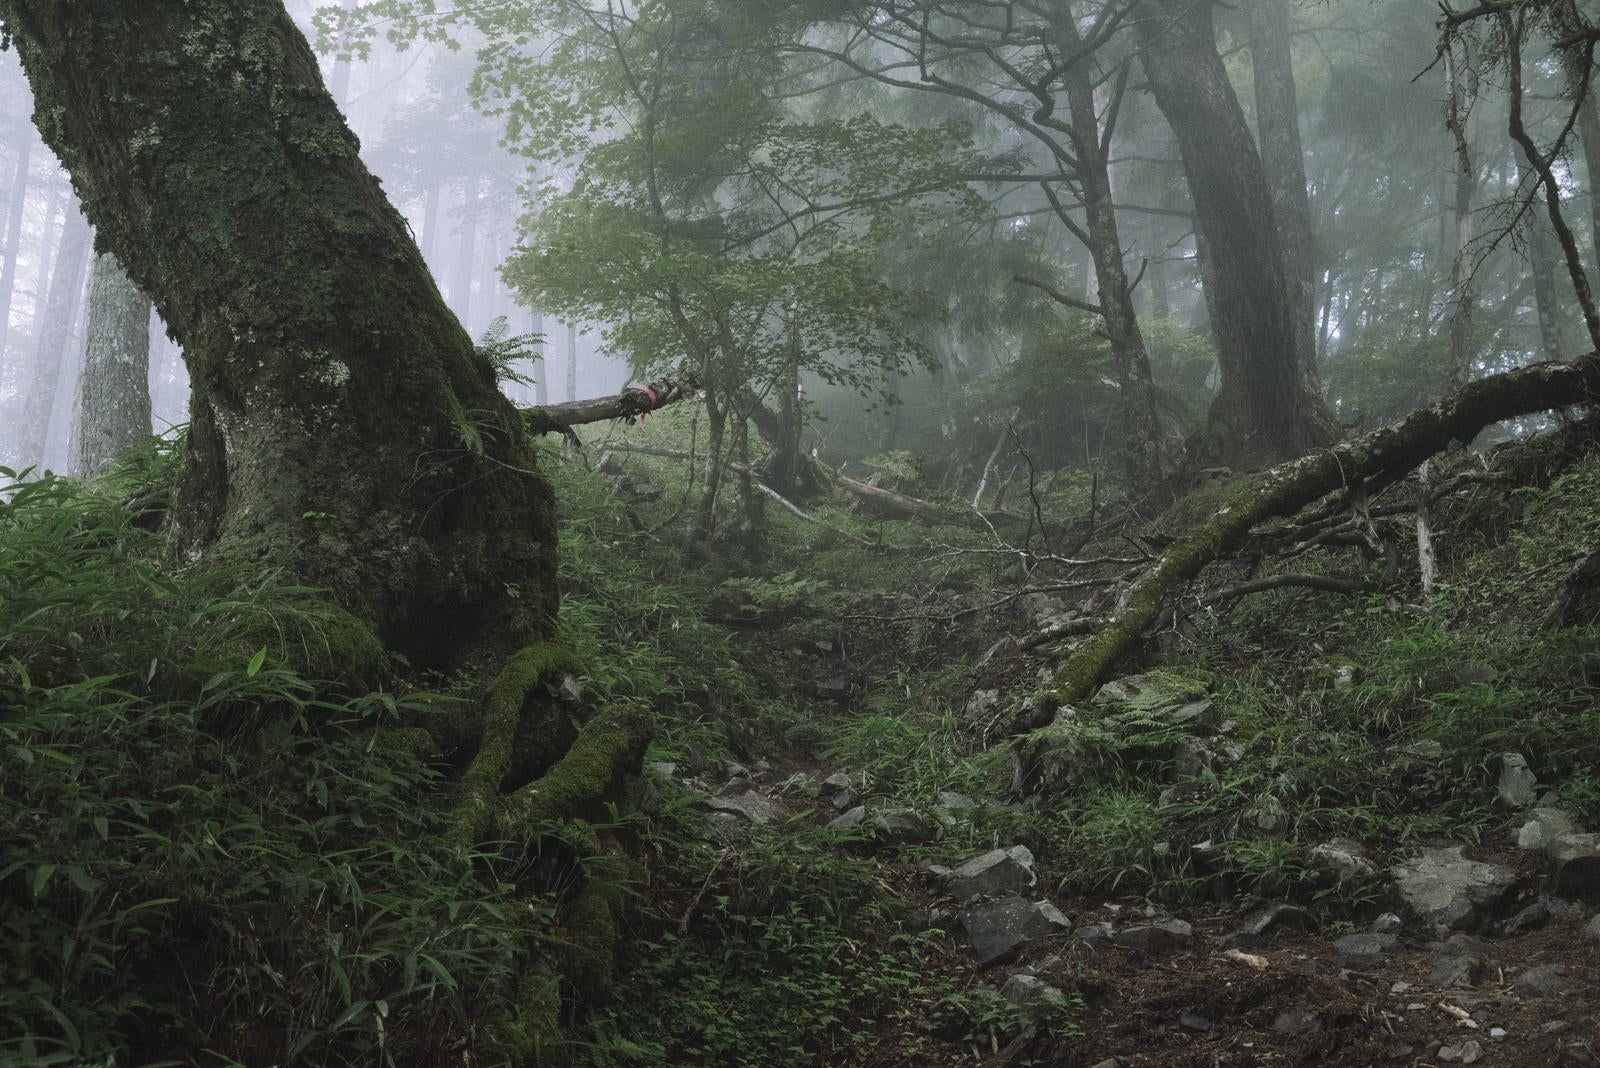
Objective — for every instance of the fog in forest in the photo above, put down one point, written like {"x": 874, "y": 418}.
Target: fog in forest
{"x": 441, "y": 164}
{"x": 1414, "y": 227}
{"x": 865, "y": 533}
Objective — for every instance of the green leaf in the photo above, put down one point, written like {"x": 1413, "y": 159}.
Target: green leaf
{"x": 255, "y": 663}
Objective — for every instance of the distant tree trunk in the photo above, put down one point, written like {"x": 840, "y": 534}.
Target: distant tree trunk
{"x": 340, "y": 87}
{"x": 572, "y": 361}
{"x": 8, "y": 265}
{"x": 1543, "y": 263}
{"x": 430, "y": 223}
{"x": 1462, "y": 91}
{"x": 1589, "y": 138}
{"x": 1283, "y": 159}
{"x": 783, "y": 471}
{"x": 55, "y": 330}
{"x": 114, "y": 393}
{"x": 1265, "y": 410}
{"x": 343, "y": 430}
{"x": 1137, "y": 391}
{"x": 466, "y": 252}
{"x": 541, "y": 362}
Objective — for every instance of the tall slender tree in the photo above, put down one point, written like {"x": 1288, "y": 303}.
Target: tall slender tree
{"x": 114, "y": 387}
{"x": 54, "y": 335}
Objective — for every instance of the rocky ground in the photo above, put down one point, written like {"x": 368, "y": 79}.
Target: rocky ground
{"x": 1484, "y": 953}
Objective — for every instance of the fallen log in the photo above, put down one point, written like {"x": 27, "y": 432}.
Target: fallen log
{"x": 632, "y": 403}
{"x": 1364, "y": 463}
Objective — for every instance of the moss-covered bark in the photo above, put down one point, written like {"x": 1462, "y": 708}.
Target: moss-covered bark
{"x": 344, "y": 431}
{"x": 1372, "y": 460}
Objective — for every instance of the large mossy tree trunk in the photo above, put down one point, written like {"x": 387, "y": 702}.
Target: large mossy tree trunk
{"x": 114, "y": 390}
{"x": 344, "y": 432}
{"x": 1266, "y": 410}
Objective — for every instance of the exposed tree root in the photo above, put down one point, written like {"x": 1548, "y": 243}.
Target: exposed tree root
{"x": 609, "y": 748}
{"x": 1365, "y": 464}
{"x": 503, "y": 702}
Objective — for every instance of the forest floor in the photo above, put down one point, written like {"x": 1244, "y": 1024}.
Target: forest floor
{"x": 801, "y": 831}
{"x": 1299, "y": 827}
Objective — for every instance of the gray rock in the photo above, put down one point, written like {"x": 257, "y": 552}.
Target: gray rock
{"x": 1109, "y": 1062}
{"x": 1194, "y": 1021}
{"x": 1027, "y": 991}
{"x": 1274, "y": 917}
{"x": 1344, "y": 676}
{"x": 1155, "y": 937}
{"x": 1202, "y": 717}
{"x": 1543, "y": 827}
{"x": 1577, "y": 872}
{"x": 800, "y": 784}
{"x": 954, "y": 801}
{"x": 1342, "y": 859}
{"x": 998, "y": 871}
{"x": 997, "y": 929}
{"x": 1543, "y": 981}
{"x": 850, "y": 820}
{"x": 837, "y": 781}
{"x": 663, "y": 768}
{"x": 1578, "y": 1055}
{"x": 1531, "y": 918}
{"x": 1365, "y": 946}
{"x": 1475, "y": 671}
{"x": 1518, "y": 787}
{"x": 1297, "y": 1022}
{"x": 571, "y": 690}
{"x": 1094, "y": 936}
{"x": 834, "y": 687}
{"x": 888, "y": 827}
{"x": 901, "y": 826}
{"x": 1468, "y": 1052}
{"x": 845, "y": 800}
{"x": 751, "y": 805}
{"x": 981, "y": 703}
{"x": 1426, "y": 749}
{"x": 1386, "y": 923}
{"x": 1443, "y": 888}
{"x": 1462, "y": 961}
{"x": 1592, "y": 928}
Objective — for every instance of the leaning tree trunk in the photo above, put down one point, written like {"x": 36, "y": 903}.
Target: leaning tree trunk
{"x": 1367, "y": 463}
{"x": 114, "y": 391}
{"x": 1283, "y": 159}
{"x": 55, "y": 331}
{"x": 1265, "y": 410}
{"x": 343, "y": 430}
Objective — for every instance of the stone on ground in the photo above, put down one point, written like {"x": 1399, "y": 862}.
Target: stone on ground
{"x": 1445, "y": 889}
{"x": 997, "y": 929}
{"x": 998, "y": 871}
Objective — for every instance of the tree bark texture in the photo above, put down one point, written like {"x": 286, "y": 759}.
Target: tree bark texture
{"x": 114, "y": 388}
{"x": 343, "y": 431}
{"x": 1265, "y": 410}
{"x": 1283, "y": 159}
